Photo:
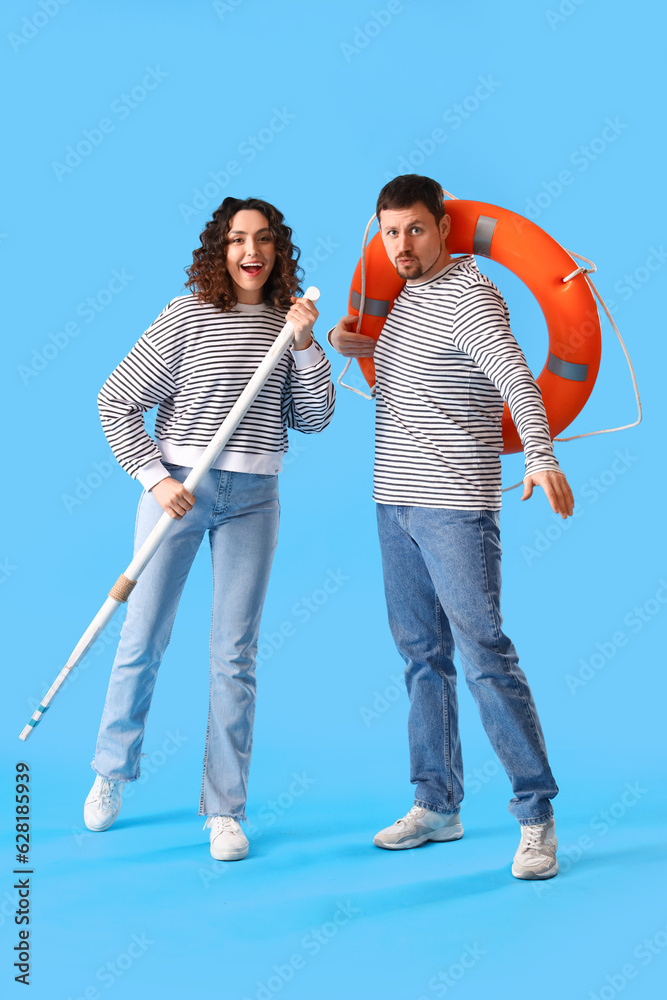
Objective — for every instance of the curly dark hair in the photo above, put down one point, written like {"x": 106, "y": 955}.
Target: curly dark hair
{"x": 403, "y": 191}
{"x": 208, "y": 275}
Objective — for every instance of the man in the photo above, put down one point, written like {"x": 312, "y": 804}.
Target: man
{"x": 445, "y": 362}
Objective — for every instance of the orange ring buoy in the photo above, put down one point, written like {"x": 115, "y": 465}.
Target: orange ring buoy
{"x": 570, "y": 311}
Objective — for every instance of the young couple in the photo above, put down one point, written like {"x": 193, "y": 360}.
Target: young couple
{"x": 445, "y": 363}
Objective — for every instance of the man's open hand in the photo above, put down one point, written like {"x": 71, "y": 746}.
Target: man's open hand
{"x": 348, "y": 342}
{"x": 556, "y": 487}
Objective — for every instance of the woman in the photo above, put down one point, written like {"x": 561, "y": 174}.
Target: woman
{"x": 194, "y": 361}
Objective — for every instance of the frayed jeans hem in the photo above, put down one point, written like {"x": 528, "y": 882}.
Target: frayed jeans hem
{"x": 239, "y": 817}
{"x": 123, "y": 780}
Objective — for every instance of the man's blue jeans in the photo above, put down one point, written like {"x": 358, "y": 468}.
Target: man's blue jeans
{"x": 241, "y": 511}
{"x": 442, "y": 583}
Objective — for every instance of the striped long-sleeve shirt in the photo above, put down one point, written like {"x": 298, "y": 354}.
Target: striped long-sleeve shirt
{"x": 445, "y": 362}
{"x": 194, "y": 361}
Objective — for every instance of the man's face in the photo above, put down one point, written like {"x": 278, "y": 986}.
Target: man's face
{"x": 413, "y": 241}
{"x": 251, "y": 253}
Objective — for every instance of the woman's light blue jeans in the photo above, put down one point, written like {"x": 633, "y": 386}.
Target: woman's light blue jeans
{"x": 240, "y": 511}
{"x": 442, "y": 583}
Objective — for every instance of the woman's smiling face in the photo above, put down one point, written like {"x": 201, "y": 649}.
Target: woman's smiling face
{"x": 251, "y": 254}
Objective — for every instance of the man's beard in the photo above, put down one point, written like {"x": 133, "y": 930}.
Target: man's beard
{"x": 420, "y": 269}
{"x": 413, "y": 274}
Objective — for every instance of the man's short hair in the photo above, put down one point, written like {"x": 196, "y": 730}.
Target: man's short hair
{"x": 405, "y": 190}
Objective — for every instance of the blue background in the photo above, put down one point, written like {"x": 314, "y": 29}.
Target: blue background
{"x": 359, "y": 87}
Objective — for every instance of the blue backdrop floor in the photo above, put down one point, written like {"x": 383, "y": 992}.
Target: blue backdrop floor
{"x": 316, "y": 911}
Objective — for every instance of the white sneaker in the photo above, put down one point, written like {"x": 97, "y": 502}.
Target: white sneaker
{"x": 536, "y": 854}
{"x": 228, "y": 841}
{"x": 103, "y": 803}
{"x": 418, "y": 826}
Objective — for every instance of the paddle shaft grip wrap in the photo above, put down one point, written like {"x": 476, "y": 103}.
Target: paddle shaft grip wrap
{"x": 122, "y": 588}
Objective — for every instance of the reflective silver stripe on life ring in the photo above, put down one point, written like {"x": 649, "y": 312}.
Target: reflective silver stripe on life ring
{"x": 481, "y": 243}
{"x": 567, "y": 369}
{"x": 372, "y": 307}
